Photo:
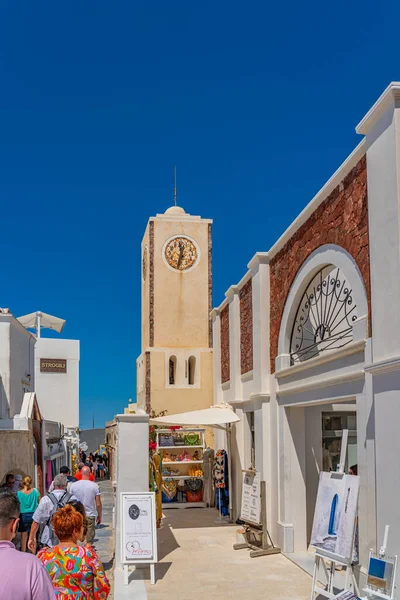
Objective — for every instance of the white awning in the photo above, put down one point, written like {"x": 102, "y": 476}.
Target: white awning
{"x": 218, "y": 415}
{"x": 47, "y": 321}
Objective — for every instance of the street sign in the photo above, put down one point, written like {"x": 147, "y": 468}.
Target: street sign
{"x": 138, "y": 530}
{"x": 251, "y": 497}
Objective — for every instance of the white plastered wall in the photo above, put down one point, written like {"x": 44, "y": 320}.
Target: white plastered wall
{"x": 381, "y": 126}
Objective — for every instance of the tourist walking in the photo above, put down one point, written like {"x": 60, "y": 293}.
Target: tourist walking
{"x": 76, "y": 571}
{"x": 100, "y": 467}
{"x": 88, "y": 493}
{"x": 8, "y": 483}
{"x": 28, "y": 498}
{"x": 22, "y": 576}
{"x": 48, "y": 505}
{"x": 78, "y": 474}
{"x": 67, "y": 472}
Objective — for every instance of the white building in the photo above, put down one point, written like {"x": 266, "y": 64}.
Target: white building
{"x": 28, "y": 442}
{"x": 307, "y": 344}
{"x": 57, "y": 379}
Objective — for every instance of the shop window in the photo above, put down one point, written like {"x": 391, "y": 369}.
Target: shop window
{"x": 192, "y": 369}
{"x": 325, "y": 316}
{"x": 332, "y": 433}
{"x": 172, "y": 370}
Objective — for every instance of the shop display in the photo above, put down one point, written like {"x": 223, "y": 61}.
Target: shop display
{"x": 209, "y": 487}
{"x": 182, "y": 466}
{"x": 221, "y": 482}
{"x": 335, "y": 513}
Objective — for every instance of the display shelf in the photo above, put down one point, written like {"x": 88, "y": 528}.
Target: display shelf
{"x": 184, "y": 505}
{"x": 182, "y": 476}
{"x": 185, "y": 475}
{"x": 177, "y": 447}
{"x": 181, "y": 430}
{"x": 183, "y": 462}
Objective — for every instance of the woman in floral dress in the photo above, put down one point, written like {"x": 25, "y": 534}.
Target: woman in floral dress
{"x": 76, "y": 571}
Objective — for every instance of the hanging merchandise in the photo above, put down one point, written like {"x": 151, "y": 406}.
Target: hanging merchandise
{"x": 221, "y": 482}
{"x": 209, "y": 489}
{"x": 219, "y": 469}
{"x": 157, "y": 469}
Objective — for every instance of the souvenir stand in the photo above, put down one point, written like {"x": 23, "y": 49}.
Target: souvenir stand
{"x": 220, "y": 416}
{"x": 181, "y": 452}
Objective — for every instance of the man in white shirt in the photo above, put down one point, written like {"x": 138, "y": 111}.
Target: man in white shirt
{"x": 47, "y": 507}
{"x": 88, "y": 493}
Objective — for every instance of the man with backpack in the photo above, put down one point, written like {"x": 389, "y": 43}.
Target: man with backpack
{"x": 48, "y": 505}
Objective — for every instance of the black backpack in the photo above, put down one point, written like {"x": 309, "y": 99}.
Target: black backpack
{"x": 48, "y": 536}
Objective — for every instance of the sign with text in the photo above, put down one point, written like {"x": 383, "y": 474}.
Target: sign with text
{"x": 138, "y": 528}
{"x": 53, "y": 365}
{"x": 251, "y": 497}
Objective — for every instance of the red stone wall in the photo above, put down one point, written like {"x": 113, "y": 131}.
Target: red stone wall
{"x": 148, "y": 383}
{"x": 341, "y": 219}
{"x": 210, "y": 336}
{"x": 225, "y": 366}
{"x": 151, "y": 284}
{"x": 246, "y": 327}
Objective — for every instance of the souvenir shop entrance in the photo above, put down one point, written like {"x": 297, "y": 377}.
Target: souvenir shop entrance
{"x": 316, "y": 434}
{"x": 190, "y": 473}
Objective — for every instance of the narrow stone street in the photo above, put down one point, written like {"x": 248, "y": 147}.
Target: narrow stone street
{"x": 197, "y": 560}
{"x": 104, "y": 540}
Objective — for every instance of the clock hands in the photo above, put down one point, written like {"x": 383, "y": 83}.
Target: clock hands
{"x": 182, "y": 247}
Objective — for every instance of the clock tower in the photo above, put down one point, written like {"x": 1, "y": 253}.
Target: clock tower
{"x": 175, "y": 368}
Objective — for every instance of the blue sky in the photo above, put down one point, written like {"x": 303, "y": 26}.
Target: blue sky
{"x": 255, "y": 103}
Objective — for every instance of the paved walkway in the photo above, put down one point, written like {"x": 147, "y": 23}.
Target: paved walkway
{"x": 104, "y": 540}
{"x": 197, "y": 560}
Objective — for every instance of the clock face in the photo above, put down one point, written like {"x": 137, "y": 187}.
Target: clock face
{"x": 181, "y": 253}
{"x": 144, "y": 263}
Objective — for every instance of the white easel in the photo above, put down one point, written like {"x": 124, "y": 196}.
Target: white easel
{"x": 321, "y": 555}
{"x": 374, "y": 594}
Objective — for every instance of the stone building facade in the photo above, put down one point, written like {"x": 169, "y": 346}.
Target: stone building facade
{"x": 306, "y": 346}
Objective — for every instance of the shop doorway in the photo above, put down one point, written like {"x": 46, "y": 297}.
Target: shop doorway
{"x": 324, "y": 427}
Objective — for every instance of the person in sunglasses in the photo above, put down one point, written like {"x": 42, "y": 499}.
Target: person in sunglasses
{"x": 22, "y": 575}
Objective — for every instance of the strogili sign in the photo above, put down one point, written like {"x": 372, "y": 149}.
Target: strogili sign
{"x": 53, "y": 365}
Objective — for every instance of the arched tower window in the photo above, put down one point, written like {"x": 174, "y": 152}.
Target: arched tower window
{"x": 192, "y": 369}
{"x": 325, "y": 316}
{"x": 172, "y": 370}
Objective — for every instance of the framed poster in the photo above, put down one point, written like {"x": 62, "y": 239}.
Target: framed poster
{"x": 251, "y": 498}
{"x": 335, "y": 514}
{"x": 138, "y": 528}
{"x": 381, "y": 575}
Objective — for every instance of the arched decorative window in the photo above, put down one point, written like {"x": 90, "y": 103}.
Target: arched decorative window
{"x": 172, "y": 370}
{"x": 325, "y": 316}
{"x": 192, "y": 369}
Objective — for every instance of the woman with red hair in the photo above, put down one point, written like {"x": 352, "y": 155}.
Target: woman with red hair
{"x": 76, "y": 571}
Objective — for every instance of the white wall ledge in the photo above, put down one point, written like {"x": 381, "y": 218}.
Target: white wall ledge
{"x": 389, "y": 96}
{"x": 325, "y": 357}
{"x": 226, "y": 386}
{"x": 384, "y": 366}
{"x": 247, "y": 376}
{"x": 322, "y": 382}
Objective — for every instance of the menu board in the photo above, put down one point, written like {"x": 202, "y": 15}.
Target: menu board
{"x": 138, "y": 528}
{"x": 251, "y": 497}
